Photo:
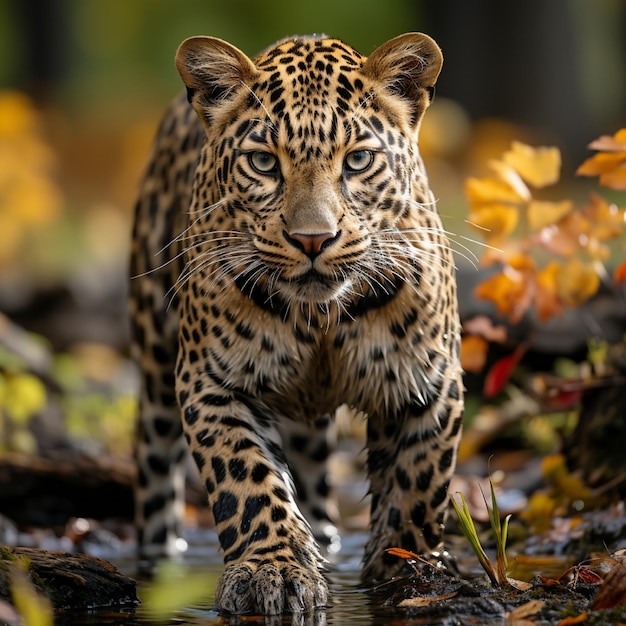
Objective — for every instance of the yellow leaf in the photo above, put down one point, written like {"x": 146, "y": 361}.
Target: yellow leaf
{"x": 510, "y": 176}
{"x": 539, "y": 511}
{"x": 541, "y": 214}
{"x": 538, "y": 166}
{"x": 577, "y": 282}
{"x": 17, "y": 114}
{"x": 495, "y": 219}
{"x": 24, "y": 395}
{"x": 490, "y": 190}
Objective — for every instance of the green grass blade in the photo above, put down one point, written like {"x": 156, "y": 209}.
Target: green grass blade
{"x": 469, "y": 530}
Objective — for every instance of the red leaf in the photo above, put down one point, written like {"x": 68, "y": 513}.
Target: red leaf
{"x": 501, "y": 371}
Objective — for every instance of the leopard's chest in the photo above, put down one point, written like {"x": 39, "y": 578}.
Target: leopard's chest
{"x": 303, "y": 369}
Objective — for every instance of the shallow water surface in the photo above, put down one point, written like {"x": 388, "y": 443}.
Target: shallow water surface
{"x": 350, "y": 603}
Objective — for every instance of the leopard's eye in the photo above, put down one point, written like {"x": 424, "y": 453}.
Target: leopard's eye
{"x": 263, "y": 162}
{"x": 359, "y": 160}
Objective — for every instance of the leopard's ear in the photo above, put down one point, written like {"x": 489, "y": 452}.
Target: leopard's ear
{"x": 212, "y": 69}
{"x": 408, "y": 66}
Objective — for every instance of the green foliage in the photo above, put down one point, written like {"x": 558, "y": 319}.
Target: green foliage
{"x": 173, "y": 589}
{"x": 497, "y": 574}
{"x": 33, "y": 608}
{"x": 22, "y": 396}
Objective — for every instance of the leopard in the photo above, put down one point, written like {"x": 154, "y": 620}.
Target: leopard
{"x": 288, "y": 259}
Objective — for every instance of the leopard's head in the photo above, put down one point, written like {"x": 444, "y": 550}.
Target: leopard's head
{"x": 310, "y": 183}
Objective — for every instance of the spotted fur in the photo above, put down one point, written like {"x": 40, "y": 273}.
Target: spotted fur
{"x": 289, "y": 259}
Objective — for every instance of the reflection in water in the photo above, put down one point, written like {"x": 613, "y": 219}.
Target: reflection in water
{"x": 351, "y": 605}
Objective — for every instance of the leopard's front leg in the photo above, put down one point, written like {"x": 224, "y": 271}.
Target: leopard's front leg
{"x": 273, "y": 563}
{"x": 411, "y": 458}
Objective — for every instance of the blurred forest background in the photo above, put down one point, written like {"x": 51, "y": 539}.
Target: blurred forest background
{"x": 83, "y": 84}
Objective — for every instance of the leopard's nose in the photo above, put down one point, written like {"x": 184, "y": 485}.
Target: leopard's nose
{"x": 311, "y": 244}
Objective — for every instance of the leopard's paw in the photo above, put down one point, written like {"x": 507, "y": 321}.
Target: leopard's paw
{"x": 270, "y": 589}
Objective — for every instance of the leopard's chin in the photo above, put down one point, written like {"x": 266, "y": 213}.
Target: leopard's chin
{"x": 316, "y": 288}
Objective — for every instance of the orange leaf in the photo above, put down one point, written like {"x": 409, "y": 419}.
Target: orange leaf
{"x": 615, "y": 179}
{"x": 547, "y": 301}
{"x": 402, "y": 553}
{"x": 578, "y": 619}
{"x": 620, "y": 273}
{"x": 568, "y": 236}
{"x": 506, "y": 291}
{"x": 538, "y": 166}
{"x": 481, "y": 190}
{"x": 474, "y": 353}
{"x": 601, "y": 163}
{"x": 606, "y": 220}
{"x": 495, "y": 219}
{"x": 541, "y": 214}
{"x": 577, "y": 282}
{"x": 522, "y": 263}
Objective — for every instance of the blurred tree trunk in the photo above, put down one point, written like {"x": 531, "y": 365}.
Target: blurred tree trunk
{"x": 534, "y": 63}
{"x": 45, "y": 57}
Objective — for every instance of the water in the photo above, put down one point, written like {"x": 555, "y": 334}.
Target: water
{"x": 351, "y": 604}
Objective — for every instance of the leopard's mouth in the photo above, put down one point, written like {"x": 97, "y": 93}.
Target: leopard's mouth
{"x": 314, "y": 286}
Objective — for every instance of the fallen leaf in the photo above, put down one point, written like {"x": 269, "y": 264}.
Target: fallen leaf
{"x": 526, "y": 610}
{"x": 578, "y": 619}
{"x": 539, "y": 166}
{"x": 520, "y": 585}
{"x": 612, "y": 592}
{"x": 586, "y": 576}
{"x": 402, "y": 553}
{"x": 410, "y": 557}
{"x": 425, "y": 600}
